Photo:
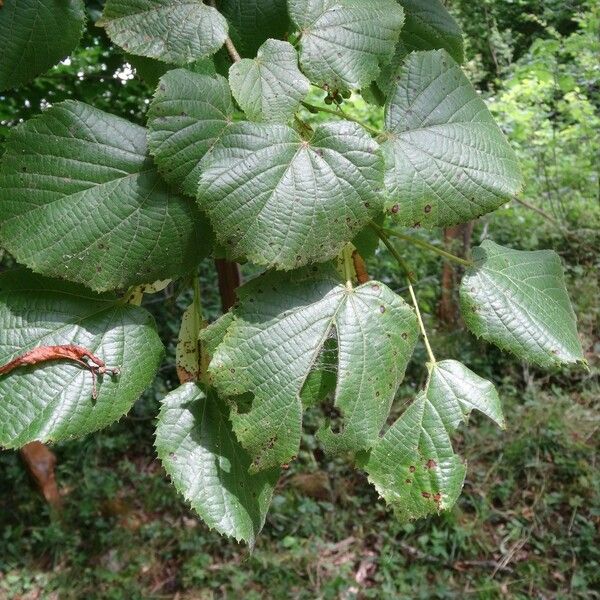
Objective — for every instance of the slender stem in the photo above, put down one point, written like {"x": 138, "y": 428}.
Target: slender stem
{"x": 411, "y": 279}
{"x": 198, "y": 317}
{"x": 394, "y": 252}
{"x": 348, "y": 266}
{"x": 539, "y": 211}
{"x": 339, "y": 113}
{"x": 231, "y": 49}
{"x": 421, "y": 324}
{"x": 428, "y": 246}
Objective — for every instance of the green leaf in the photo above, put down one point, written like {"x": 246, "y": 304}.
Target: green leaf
{"x": 35, "y": 35}
{"x": 269, "y": 87}
{"x": 207, "y": 465}
{"x": 187, "y": 118}
{"x": 187, "y": 351}
{"x": 274, "y": 341}
{"x": 151, "y": 70}
{"x": 281, "y": 201}
{"x": 252, "y": 22}
{"x": 428, "y": 26}
{"x": 53, "y": 401}
{"x": 413, "y": 466}
{"x": 344, "y": 43}
{"x": 447, "y": 161}
{"x": 518, "y": 301}
{"x": 79, "y": 199}
{"x": 174, "y": 31}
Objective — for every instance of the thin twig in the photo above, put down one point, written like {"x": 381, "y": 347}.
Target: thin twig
{"x": 231, "y": 49}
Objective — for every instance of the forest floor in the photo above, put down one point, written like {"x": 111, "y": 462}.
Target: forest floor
{"x": 526, "y": 525}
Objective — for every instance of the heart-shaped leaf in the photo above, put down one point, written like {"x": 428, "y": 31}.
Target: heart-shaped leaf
{"x": 207, "y": 464}
{"x": 80, "y": 199}
{"x": 35, "y": 35}
{"x": 53, "y": 401}
{"x": 518, "y": 300}
{"x": 273, "y": 342}
{"x": 446, "y": 159}
{"x": 269, "y": 87}
{"x": 282, "y": 201}
{"x": 174, "y": 31}
{"x": 344, "y": 43}
{"x": 413, "y": 466}
{"x": 188, "y": 116}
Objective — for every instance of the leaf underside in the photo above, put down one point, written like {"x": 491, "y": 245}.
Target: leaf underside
{"x": 413, "y": 466}
{"x": 447, "y": 161}
{"x": 35, "y": 35}
{"x": 518, "y": 300}
{"x": 274, "y": 339}
{"x": 53, "y": 400}
{"x": 79, "y": 199}
{"x": 206, "y": 463}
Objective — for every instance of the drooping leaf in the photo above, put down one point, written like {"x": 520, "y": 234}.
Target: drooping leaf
{"x": 174, "y": 31}
{"x": 208, "y": 466}
{"x": 413, "y": 466}
{"x": 428, "y": 26}
{"x": 187, "y": 351}
{"x": 252, "y": 22}
{"x": 80, "y": 199}
{"x": 35, "y": 35}
{"x": 518, "y": 301}
{"x": 279, "y": 200}
{"x": 447, "y": 161}
{"x": 344, "y": 43}
{"x": 188, "y": 116}
{"x": 53, "y": 400}
{"x": 274, "y": 339}
{"x": 270, "y": 86}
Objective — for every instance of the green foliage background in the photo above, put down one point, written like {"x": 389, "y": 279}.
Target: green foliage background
{"x": 528, "y": 529}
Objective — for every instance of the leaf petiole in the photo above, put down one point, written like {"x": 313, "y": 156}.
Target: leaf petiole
{"x": 423, "y": 244}
{"x": 341, "y": 114}
{"x": 381, "y": 232}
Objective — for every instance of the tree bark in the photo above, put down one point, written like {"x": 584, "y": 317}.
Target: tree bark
{"x": 457, "y": 240}
{"x": 229, "y": 280}
{"x": 41, "y": 462}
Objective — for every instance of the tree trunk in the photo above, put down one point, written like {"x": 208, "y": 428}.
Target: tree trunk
{"x": 229, "y": 280}
{"x": 457, "y": 240}
{"x": 40, "y": 462}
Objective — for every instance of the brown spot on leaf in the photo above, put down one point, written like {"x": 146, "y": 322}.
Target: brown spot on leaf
{"x": 431, "y": 464}
{"x": 427, "y": 208}
{"x": 412, "y": 468}
{"x": 426, "y": 495}
{"x": 395, "y": 208}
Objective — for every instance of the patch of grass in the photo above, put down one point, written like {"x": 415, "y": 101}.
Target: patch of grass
{"x": 525, "y": 527}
